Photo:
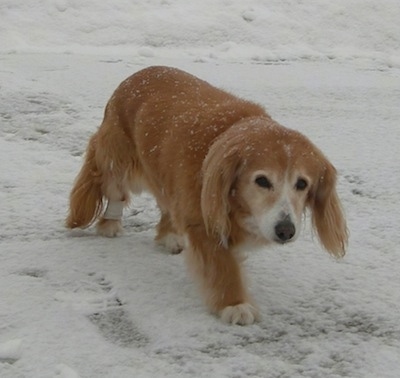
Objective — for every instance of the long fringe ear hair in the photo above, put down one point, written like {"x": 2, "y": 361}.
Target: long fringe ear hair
{"x": 327, "y": 214}
{"x": 219, "y": 172}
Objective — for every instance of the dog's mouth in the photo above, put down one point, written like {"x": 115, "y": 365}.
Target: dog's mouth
{"x": 279, "y": 241}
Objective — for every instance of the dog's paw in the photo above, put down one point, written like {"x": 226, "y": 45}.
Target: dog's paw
{"x": 243, "y": 314}
{"x": 172, "y": 242}
{"x": 109, "y": 228}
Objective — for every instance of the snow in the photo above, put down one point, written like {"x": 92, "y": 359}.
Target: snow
{"x": 206, "y": 30}
{"x": 10, "y": 351}
{"x": 73, "y": 304}
{"x": 65, "y": 371}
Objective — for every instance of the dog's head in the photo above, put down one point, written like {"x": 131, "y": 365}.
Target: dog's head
{"x": 263, "y": 176}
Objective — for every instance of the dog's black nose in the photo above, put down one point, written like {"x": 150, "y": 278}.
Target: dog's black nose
{"x": 285, "y": 230}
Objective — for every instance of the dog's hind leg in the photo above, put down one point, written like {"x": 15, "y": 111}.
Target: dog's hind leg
{"x": 110, "y": 223}
{"x": 118, "y": 178}
{"x": 167, "y": 235}
{"x": 103, "y": 183}
{"x": 109, "y": 174}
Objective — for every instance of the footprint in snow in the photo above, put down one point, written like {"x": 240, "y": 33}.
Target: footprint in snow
{"x": 11, "y": 351}
{"x": 359, "y": 187}
{"x": 101, "y": 304}
{"x": 65, "y": 371}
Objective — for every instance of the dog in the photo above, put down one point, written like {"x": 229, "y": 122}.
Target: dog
{"x": 225, "y": 176}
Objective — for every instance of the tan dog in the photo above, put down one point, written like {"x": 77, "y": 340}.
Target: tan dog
{"x": 224, "y": 174}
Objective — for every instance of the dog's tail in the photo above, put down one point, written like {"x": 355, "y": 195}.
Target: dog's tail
{"x": 86, "y": 198}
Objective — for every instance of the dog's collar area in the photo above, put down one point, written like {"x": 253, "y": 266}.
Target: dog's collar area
{"x": 114, "y": 210}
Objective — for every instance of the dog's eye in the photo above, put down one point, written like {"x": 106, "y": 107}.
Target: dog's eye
{"x": 263, "y": 182}
{"x": 301, "y": 184}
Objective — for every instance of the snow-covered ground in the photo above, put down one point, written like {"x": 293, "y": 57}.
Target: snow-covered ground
{"x": 233, "y": 30}
{"x": 76, "y": 305}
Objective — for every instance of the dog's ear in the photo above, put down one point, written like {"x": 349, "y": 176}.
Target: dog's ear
{"x": 327, "y": 214}
{"x": 219, "y": 171}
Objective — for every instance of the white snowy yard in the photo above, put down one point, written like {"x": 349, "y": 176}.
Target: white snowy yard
{"x": 73, "y": 304}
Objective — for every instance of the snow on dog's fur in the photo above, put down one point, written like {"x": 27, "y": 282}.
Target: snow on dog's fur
{"x": 223, "y": 172}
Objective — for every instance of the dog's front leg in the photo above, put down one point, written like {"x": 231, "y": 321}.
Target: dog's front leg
{"x": 220, "y": 277}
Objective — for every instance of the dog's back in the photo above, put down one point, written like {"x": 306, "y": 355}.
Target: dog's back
{"x": 160, "y": 99}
